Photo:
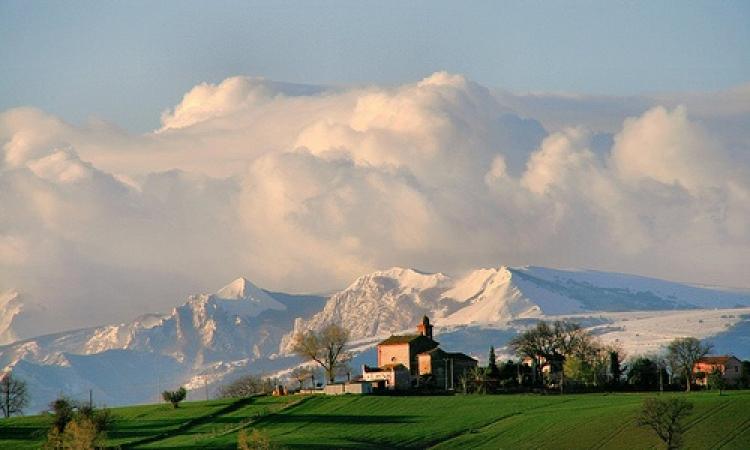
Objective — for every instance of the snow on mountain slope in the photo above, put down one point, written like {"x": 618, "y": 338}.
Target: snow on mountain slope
{"x": 379, "y": 303}
{"x": 238, "y": 323}
{"x": 493, "y": 296}
{"x": 393, "y": 300}
{"x": 607, "y": 291}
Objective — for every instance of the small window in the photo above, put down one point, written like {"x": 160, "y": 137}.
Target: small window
{"x": 736, "y": 369}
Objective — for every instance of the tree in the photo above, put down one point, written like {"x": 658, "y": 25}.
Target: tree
{"x": 300, "y": 374}
{"x": 174, "y": 397}
{"x": 78, "y": 426}
{"x": 15, "y": 397}
{"x": 552, "y": 344}
{"x": 643, "y": 373}
{"x": 683, "y": 353}
{"x": 492, "y": 370}
{"x": 615, "y": 367}
{"x": 79, "y": 434}
{"x": 325, "y": 347}
{"x": 63, "y": 410}
{"x": 664, "y": 416}
{"x": 716, "y": 380}
{"x": 476, "y": 376}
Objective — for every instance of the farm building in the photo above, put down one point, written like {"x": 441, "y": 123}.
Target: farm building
{"x": 405, "y": 359}
{"x": 729, "y": 366}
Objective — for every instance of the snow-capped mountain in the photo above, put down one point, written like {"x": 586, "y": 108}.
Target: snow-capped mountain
{"x": 393, "y": 300}
{"x": 240, "y": 322}
{"x": 380, "y": 302}
{"x": 242, "y": 328}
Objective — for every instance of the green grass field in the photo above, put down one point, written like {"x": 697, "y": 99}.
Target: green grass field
{"x": 461, "y": 421}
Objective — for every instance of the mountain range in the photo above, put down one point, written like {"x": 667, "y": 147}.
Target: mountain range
{"x": 242, "y": 328}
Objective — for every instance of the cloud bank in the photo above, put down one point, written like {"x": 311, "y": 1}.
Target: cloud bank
{"x": 304, "y": 188}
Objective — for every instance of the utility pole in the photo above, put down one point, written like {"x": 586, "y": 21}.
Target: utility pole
{"x": 661, "y": 382}
{"x": 205, "y": 386}
{"x": 453, "y": 387}
{"x": 446, "y": 374}
{"x": 91, "y": 399}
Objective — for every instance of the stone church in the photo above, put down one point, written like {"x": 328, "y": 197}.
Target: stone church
{"x": 405, "y": 361}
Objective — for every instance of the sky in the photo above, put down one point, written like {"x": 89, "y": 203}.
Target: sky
{"x": 124, "y": 61}
{"x": 153, "y": 150}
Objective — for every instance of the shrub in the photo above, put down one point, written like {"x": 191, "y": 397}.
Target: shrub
{"x": 80, "y": 434}
{"x": 248, "y": 385}
{"x": 257, "y": 440}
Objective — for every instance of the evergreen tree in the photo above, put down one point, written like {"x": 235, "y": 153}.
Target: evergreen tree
{"x": 492, "y": 370}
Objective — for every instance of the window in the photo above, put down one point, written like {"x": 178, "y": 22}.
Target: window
{"x": 736, "y": 369}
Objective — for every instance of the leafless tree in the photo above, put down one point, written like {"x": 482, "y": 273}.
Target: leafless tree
{"x": 683, "y": 353}
{"x": 664, "y": 416}
{"x": 300, "y": 374}
{"x": 14, "y": 394}
{"x": 325, "y": 347}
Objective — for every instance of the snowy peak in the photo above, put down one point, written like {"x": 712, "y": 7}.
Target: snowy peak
{"x": 477, "y": 282}
{"x": 237, "y": 289}
{"x": 393, "y": 300}
{"x": 490, "y": 296}
{"x": 243, "y": 298}
{"x": 378, "y": 303}
{"x": 402, "y": 279}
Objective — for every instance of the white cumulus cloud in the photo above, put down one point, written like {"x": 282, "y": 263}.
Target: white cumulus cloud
{"x": 303, "y": 188}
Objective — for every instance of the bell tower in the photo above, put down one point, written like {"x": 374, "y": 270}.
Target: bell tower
{"x": 424, "y": 328}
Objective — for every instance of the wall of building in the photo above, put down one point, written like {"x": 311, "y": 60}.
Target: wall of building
{"x": 397, "y": 353}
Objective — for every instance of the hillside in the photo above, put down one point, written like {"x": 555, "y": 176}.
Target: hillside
{"x": 501, "y": 421}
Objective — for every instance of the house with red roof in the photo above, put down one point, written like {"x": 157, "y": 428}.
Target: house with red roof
{"x": 729, "y": 366}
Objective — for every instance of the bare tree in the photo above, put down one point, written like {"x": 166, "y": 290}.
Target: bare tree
{"x": 683, "y": 353}
{"x": 664, "y": 416}
{"x": 14, "y": 394}
{"x": 300, "y": 374}
{"x": 325, "y": 347}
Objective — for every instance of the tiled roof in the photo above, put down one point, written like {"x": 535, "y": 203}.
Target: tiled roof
{"x": 715, "y": 359}
{"x": 405, "y": 339}
{"x": 393, "y": 366}
{"x": 439, "y": 352}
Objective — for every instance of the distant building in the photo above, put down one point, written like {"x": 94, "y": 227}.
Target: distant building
{"x": 729, "y": 366}
{"x": 403, "y": 359}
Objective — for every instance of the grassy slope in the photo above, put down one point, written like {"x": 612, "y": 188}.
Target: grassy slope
{"x": 513, "y": 421}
